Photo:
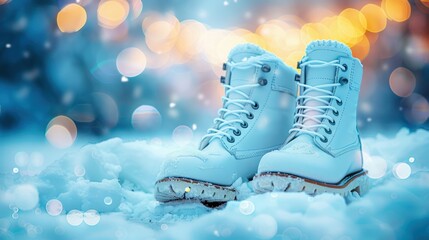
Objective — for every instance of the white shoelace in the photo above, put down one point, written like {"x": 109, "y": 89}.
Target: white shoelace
{"x": 302, "y": 113}
{"x": 224, "y": 127}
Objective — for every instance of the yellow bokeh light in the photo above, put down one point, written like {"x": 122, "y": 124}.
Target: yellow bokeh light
{"x": 424, "y": 2}
{"x": 361, "y": 49}
{"x": 112, "y": 13}
{"x": 355, "y": 23}
{"x": 375, "y": 18}
{"x": 190, "y": 36}
{"x": 71, "y": 18}
{"x": 161, "y": 36}
{"x": 397, "y": 10}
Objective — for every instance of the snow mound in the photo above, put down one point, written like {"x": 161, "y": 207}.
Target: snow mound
{"x": 115, "y": 180}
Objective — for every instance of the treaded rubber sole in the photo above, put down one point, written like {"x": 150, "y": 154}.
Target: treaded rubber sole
{"x": 283, "y": 182}
{"x": 176, "y": 188}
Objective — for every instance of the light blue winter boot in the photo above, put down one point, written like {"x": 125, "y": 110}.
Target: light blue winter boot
{"x": 256, "y": 116}
{"x": 323, "y": 152}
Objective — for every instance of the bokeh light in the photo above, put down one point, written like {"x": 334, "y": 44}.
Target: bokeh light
{"x": 146, "y": 118}
{"x": 411, "y": 159}
{"x": 4, "y": 2}
{"x": 416, "y": 109}
{"x": 74, "y": 217}
{"x": 54, "y": 207}
{"x": 108, "y": 201}
{"x": 71, "y": 18}
{"x": 401, "y": 170}
{"x": 25, "y": 196}
{"x": 111, "y": 13}
{"x": 182, "y": 135}
{"x": 397, "y": 10}
{"x": 264, "y": 226}
{"x": 131, "y": 62}
{"x": 375, "y": 165}
{"x": 247, "y": 207}
{"x": 402, "y": 82}
{"x": 161, "y": 35}
{"x": 91, "y": 217}
{"x": 79, "y": 171}
{"x": 61, "y": 132}
{"x": 375, "y": 18}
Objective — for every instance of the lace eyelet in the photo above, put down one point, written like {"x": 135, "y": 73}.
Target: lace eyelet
{"x": 255, "y": 106}
{"x": 244, "y": 125}
{"x": 222, "y": 79}
{"x": 343, "y": 81}
{"x": 250, "y": 116}
{"x": 331, "y": 122}
{"x": 262, "y": 81}
{"x": 345, "y": 67}
{"x": 224, "y": 66}
{"x": 339, "y": 103}
{"x": 329, "y": 131}
{"x": 231, "y": 140}
{"x": 237, "y": 132}
{"x": 324, "y": 139}
{"x": 335, "y": 113}
{"x": 266, "y": 68}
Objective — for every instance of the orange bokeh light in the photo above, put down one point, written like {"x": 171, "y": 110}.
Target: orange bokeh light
{"x": 71, "y": 18}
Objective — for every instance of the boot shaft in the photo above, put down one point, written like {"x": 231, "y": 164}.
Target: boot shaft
{"x": 266, "y": 127}
{"x": 343, "y": 135}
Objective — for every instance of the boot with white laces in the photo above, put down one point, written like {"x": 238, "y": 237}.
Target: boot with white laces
{"x": 257, "y": 113}
{"x": 323, "y": 152}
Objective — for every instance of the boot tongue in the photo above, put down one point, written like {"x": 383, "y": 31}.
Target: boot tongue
{"x": 327, "y": 51}
{"x": 237, "y": 58}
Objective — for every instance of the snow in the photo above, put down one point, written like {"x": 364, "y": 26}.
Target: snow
{"x": 105, "y": 191}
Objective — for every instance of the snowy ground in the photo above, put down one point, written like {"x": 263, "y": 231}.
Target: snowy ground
{"x": 104, "y": 191}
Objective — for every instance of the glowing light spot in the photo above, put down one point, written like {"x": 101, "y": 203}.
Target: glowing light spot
{"x": 375, "y": 165}
{"x": 137, "y": 7}
{"x": 112, "y": 13}
{"x": 54, "y": 207}
{"x": 172, "y": 105}
{"x": 353, "y": 24}
{"x": 361, "y": 49}
{"x": 161, "y": 36}
{"x": 74, "y": 217}
{"x": 15, "y": 170}
{"x": 411, "y": 159}
{"x": 124, "y": 79}
{"x": 375, "y": 18}
{"x": 189, "y": 40}
{"x": 25, "y": 196}
{"x": 397, "y": 10}
{"x": 225, "y": 3}
{"x": 91, "y": 217}
{"x": 164, "y": 227}
{"x": 61, "y": 132}
{"x": 145, "y": 118}
{"x": 401, "y": 170}
{"x": 71, "y": 18}
{"x": 182, "y": 135}
{"x": 402, "y": 82}
{"x": 108, "y": 201}
{"x": 194, "y": 126}
{"x": 131, "y": 62}
{"x": 79, "y": 171}
{"x": 8, "y": 45}
{"x": 247, "y": 207}
{"x": 187, "y": 189}
{"x": 416, "y": 109}
{"x": 265, "y": 226}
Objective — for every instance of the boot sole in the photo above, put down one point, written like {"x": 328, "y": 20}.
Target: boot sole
{"x": 176, "y": 188}
{"x": 283, "y": 182}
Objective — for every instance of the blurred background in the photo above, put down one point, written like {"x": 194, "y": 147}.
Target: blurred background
{"x": 73, "y": 72}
